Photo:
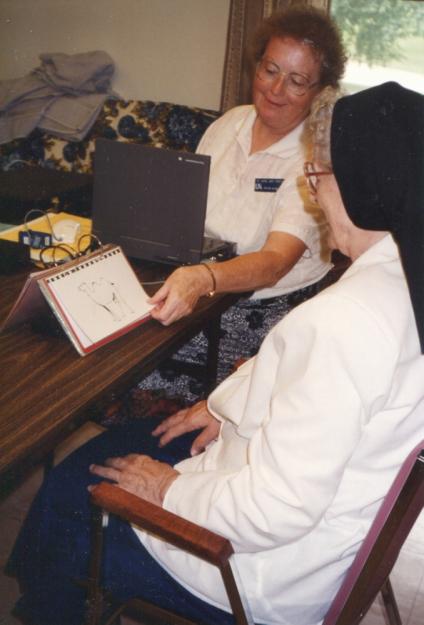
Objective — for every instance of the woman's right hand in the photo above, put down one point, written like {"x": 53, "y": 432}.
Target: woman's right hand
{"x": 179, "y": 294}
{"x": 187, "y": 420}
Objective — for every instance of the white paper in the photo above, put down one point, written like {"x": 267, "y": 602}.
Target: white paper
{"x": 100, "y": 296}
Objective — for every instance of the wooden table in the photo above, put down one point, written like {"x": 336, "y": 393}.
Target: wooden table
{"x": 47, "y": 388}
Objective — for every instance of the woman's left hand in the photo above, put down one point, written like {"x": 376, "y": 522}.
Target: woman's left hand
{"x": 138, "y": 474}
{"x": 180, "y": 293}
{"x": 187, "y": 420}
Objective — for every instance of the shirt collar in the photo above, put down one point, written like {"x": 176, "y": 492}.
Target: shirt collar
{"x": 382, "y": 251}
{"x": 284, "y": 147}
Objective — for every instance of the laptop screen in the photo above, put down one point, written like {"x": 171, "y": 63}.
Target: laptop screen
{"x": 150, "y": 201}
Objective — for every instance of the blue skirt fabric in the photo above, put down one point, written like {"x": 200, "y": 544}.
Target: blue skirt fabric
{"x": 52, "y": 549}
{"x": 243, "y": 328}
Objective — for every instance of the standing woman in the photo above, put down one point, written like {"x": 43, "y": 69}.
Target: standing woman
{"x": 257, "y": 195}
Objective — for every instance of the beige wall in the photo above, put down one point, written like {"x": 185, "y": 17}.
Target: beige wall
{"x": 171, "y": 50}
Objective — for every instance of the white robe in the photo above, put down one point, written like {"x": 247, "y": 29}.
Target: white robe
{"x": 314, "y": 429}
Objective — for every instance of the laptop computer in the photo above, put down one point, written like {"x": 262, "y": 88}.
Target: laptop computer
{"x": 152, "y": 202}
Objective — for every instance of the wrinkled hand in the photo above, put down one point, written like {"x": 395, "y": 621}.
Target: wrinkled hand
{"x": 187, "y": 420}
{"x": 138, "y": 474}
{"x": 180, "y": 293}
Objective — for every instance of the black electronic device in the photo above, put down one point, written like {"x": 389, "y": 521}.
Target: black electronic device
{"x": 152, "y": 202}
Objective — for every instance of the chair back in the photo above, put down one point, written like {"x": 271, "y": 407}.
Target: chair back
{"x": 380, "y": 548}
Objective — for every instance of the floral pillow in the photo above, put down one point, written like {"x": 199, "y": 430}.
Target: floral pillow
{"x": 159, "y": 124}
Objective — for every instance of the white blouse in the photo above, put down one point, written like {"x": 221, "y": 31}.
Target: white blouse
{"x": 245, "y": 202}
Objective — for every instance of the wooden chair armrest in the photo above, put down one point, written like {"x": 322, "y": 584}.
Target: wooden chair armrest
{"x": 172, "y": 528}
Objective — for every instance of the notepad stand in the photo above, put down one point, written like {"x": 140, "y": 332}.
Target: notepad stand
{"x": 96, "y": 298}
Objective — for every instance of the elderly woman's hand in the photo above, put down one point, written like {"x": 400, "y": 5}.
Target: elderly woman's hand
{"x": 138, "y": 474}
{"x": 188, "y": 420}
{"x": 180, "y": 293}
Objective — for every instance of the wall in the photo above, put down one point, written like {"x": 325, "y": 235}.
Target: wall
{"x": 171, "y": 50}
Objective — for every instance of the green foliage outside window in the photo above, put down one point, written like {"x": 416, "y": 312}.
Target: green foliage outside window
{"x": 374, "y": 30}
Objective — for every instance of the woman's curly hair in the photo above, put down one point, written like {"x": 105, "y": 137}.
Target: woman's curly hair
{"x": 312, "y": 27}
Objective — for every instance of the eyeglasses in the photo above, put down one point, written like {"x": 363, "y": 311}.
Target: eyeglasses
{"x": 312, "y": 175}
{"x": 295, "y": 83}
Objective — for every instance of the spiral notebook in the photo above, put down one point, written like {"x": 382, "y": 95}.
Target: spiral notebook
{"x": 95, "y": 298}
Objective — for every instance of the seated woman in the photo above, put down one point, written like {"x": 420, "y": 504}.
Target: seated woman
{"x": 257, "y": 195}
{"x": 301, "y": 443}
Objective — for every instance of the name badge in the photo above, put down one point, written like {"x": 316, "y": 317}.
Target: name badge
{"x": 268, "y": 185}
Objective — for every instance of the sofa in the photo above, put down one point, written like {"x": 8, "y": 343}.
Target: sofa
{"x": 46, "y": 172}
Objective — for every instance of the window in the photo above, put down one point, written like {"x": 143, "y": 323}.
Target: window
{"x": 384, "y": 40}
